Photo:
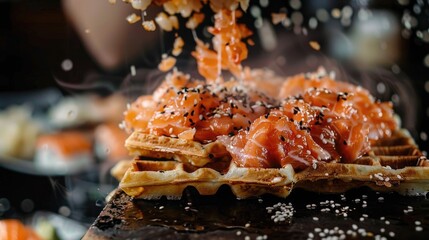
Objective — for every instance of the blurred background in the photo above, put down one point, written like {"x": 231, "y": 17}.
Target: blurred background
{"x": 68, "y": 68}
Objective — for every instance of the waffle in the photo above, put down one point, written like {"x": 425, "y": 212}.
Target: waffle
{"x": 393, "y": 164}
{"x": 182, "y": 150}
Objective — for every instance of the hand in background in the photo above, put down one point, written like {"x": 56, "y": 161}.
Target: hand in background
{"x": 108, "y": 37}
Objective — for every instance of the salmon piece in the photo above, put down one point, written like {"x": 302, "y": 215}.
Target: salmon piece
{"x": 378, "y": 115}
{"x": 275, "y": 141}
{"x": 211, "y": 110}
{"x": 139, "y": 113}
{"x": 207, "y": 61}
{"x": 352, "y": 141}
{"x": 228, "y": 51}
{"x": 317, "y": 125}
{"x": 11, "y": 229}
{"x": 66, "y": 143}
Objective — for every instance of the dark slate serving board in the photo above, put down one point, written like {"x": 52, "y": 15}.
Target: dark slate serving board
{"x": 303, "y": 215}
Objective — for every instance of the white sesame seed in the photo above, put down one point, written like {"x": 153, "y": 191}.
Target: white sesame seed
{"x": 315, "y": 218}
{"x": 417, "y": 223}
{"x": 419, "y": 229}
{"x": 392, "y": 234}
{"x": 238, "y": 233}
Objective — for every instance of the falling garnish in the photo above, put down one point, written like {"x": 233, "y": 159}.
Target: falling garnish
{"x": 149, "y": 25}
{"x": 133, "y": 70}
{"x": 315, "y": 45}
{"x": 167, "y": 63}
{"x": 277, "y": 18}
{"x": 163, "y": 21}
{"x": 195, "y": 20}
{"x": 133, "y": 18}
{"x": 178, "y": 46}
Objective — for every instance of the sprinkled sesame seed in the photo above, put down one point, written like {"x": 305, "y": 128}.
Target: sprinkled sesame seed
{"x": 419, "y": 229}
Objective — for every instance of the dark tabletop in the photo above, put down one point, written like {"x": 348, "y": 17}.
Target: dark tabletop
{"x": 356, "y": 214}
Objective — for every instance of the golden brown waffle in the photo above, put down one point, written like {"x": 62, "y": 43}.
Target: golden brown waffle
{"x": 182, "y": 150}
{"x": 393, "y": 164}
{"x": 153, "y": 179}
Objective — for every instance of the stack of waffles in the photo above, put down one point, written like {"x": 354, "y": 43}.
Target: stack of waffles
{"x": 165, "y": 166}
